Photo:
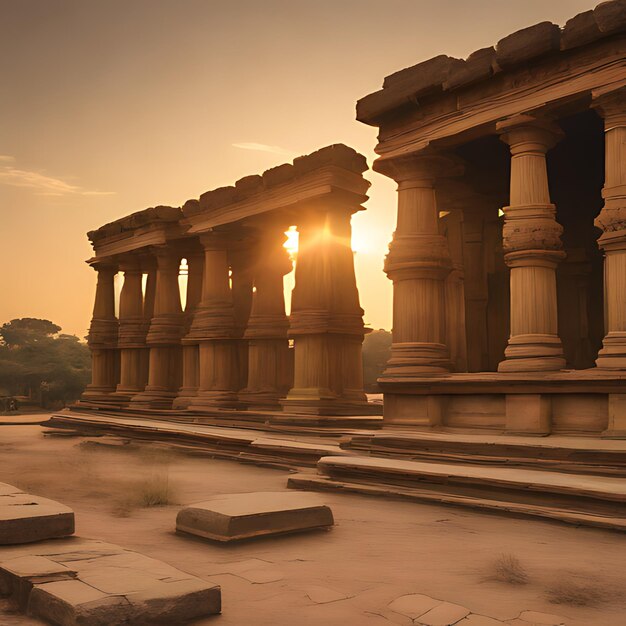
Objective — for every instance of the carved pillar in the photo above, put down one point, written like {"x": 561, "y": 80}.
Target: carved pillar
{"x": 612, "y": 222}
{"x": 132, "y": 333}
{"x": 532, "y": 247}
{"x": 191, "y": 351}
{"x": 164, "y": 336}
{"x": 452, "y": 228}
{"x": 418, "y": 263}
{"x": 213, "y": 329}
{"x": 102, "y": 338}
{"x": 241, "y": 265}
{"x": 326, "y": 319}
{"x": 269, "y": 371}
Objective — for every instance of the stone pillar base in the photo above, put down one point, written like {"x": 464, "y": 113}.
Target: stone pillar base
{"x": 153, "y": 398}
{"x": 259, "y": 400}
{"x": 528, "y": 414}
{"x": 322, "y": 402}
{"x": 184, "y": 398}
{"x": 533, "y": 353}
{"x": 215, "y": 399}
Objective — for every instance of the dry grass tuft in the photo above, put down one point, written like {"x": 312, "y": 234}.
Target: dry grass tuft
{"x": 508, "y": 569}
{"x": 154, "y": 491}
{"x": 576, "y": 592}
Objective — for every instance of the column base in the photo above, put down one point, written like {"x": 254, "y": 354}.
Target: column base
{"x": 322, "y": 402}
{"x": 153, "y": 399}
{"x": 612, "y": 356}
{"x": 533, "y": 353}
{"x": 215, "y": 400}
{"x": 261, "y": 400}
{"x": 417, "y": 359}
{"x": 184, "y": 398}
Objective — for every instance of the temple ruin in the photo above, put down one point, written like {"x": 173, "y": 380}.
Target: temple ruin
{"x": 509, "y": 257}
{"x": 229, "y": 346}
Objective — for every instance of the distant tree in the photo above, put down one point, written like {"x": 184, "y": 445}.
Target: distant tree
{"x": 376, "y": 353}
{"x": 27, "y": 331}
{"x": 38, "y": 362}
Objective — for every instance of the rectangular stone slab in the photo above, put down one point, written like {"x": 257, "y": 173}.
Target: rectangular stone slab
{"x": 244, "y": 515}
{"x": 78, "y": 581}
{"x": 25, "y": 518}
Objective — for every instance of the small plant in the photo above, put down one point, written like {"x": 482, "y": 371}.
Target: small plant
{"x": 508, "y": 569}
{"x": 154, "y": 491}
{"x": 574, "y": 592}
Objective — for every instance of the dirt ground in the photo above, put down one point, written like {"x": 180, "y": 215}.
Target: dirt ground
{"x": 380, "y": 549}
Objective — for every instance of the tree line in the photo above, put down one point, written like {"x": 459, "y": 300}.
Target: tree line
{"x": 40, "y": 363}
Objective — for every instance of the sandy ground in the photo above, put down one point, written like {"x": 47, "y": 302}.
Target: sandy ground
{"x": 380, "y": 549}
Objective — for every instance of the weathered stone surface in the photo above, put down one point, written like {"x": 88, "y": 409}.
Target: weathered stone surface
{"x": 611, "y": 16}
{"x": 278, "y": 175}
{"x": 245, "y": 515}
{"x": 217, "y": 198}
{"x": 580, "y": 30}
{"x": 527, "y": 44}
{"x": 478, "y": 66}
{"x": 76, "y": 581}
{"x": 445, "y": 614}
{"x": 479, "y": 620}
{"x": 535, "y": 617}
{"x": 25, "y": 518}
{"x": 337, "y": 154}
{"x": 413, "y": 605}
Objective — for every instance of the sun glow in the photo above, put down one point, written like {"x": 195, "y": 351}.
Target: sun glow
{"x": 359, "y": 242}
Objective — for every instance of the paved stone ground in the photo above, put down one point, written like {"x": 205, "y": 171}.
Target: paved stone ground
{"x": 385, "y": 562}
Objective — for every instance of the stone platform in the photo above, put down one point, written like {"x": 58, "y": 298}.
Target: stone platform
{"x": 233, "y": 517}
{"x": 574, "y": 498}
{"x": 25, "y": 518}
{"x": 81, "y": 581}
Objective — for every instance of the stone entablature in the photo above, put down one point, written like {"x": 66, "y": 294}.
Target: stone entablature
{"x": 497, "y": 269}
{"x": 229, "y": 346}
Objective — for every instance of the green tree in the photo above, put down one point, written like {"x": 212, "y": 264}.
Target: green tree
{"x": 38, "y": 362}
{"x": 376, "y": 353}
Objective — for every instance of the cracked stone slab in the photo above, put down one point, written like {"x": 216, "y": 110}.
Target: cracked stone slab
{"x": 473, "y": 619}
{"x": 108, "y": 586}
{"x": 25, "y": 518}
{"x": 261, "y": 576}
{"x": 238, "y": 516}
{"x": 413, "y": 605}
{"x": 547, "y": 619}
{"x": 445, "y": 614}
{"x": 324, "y": 595}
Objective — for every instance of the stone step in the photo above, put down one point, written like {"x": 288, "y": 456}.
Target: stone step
{"x": 574, "y": 498}
{"x": 82, "y": 581}
{"x": 589, "y": 455}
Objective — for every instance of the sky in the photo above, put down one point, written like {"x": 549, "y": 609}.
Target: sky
{"x": 111, "y": 106}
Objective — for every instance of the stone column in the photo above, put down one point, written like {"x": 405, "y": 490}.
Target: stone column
{"x": 132, "y": 333}
{"x": 242, "y": 277}
{"x": 532, "y": 246}
{"x": 418, "y": 263}
{"x": 612, "y": 222}
{"x": 164, "y": 336}
{"x": 213, "y": 329}
{"x": 269, "y": 371}
{"x": 326, "y": 320}
{"x": 191, "y": 352}
{"x": 102, "y": 338}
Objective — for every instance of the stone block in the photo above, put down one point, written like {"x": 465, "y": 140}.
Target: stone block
{"x": 413, "y": 605}
{"x": 76, "y": 581}
{"x": 445, "y": 614}
{"x": 580, "y": 30}
{"x": 218, "y": 198}
{"x": 25, "y": 518}
{"x": 528, "y": 43}
{"x": 245, "y": 515}
{"x": 616, "y": 425}
{"x": 611, "y": 16}
{"x": 478, "y": 66}
{"x": 528, "y": 414}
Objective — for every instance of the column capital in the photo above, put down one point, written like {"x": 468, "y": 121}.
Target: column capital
{"x": 103, "y": 266}
{"x": 421, "y": 169}
{"x": 611, "y": 105}
{"x": 129, "y": 264}
{"x": 526, "y": 133}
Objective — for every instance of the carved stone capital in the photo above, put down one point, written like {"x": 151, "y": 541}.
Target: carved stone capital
{"x": 611, "y": 105}
{"x": 421, "y": 169}
{"x": 528, "y": 134}
{"x": 531, "y": 228}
